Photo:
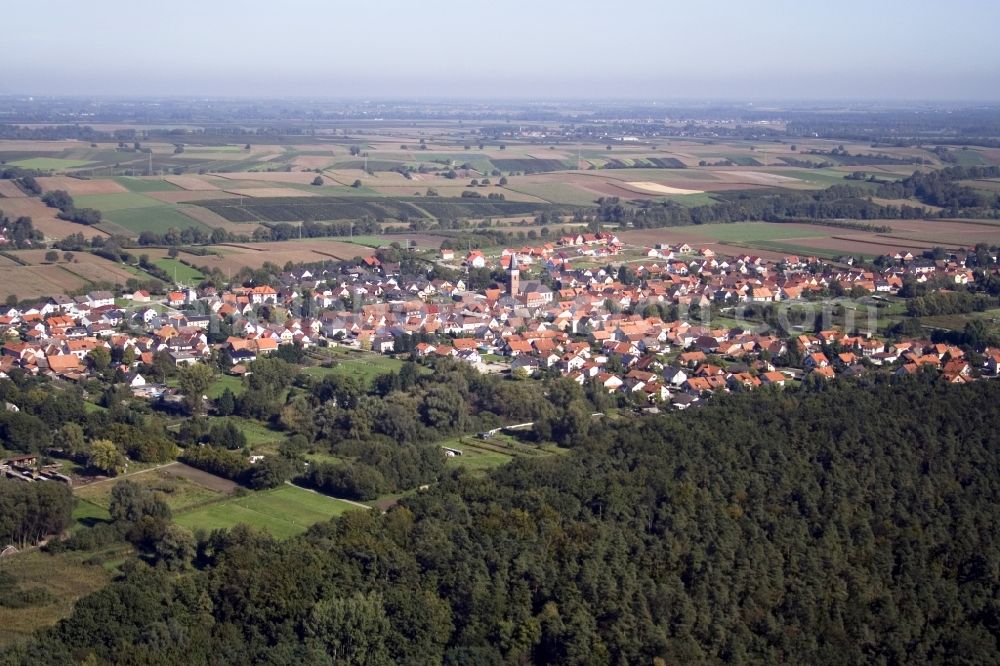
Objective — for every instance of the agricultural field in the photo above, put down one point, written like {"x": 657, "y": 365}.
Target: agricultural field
{"x": 238, "y": 189}
{"x": 179, "y": 271}
{"x": 141, "y": 185}
{"x": 292, "y": 209}
{"x": 774, "y": 240}
{"x": 233, "y": 257}
{"x": 199, "y": 500}
{"x": 112, "y": 202}
{"x": 35, "y": 278}
{"x": 49, "y": 163}
{"x": 76, "y": 187}
{"x": 44, "y": 218}
{"x": 283, "y": 512}
{"x": 179, "y": 492}
{"x": 157, "y": 218}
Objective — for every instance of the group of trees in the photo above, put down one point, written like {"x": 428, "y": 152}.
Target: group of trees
{"x": 838, "y": 201}
{"x": 855, "y": 523}
{"x": 942, "y": 188}
{"x": 67, "y": 208}
{"x": 948, "y": 302}
{"x": 51, "y": 416}
{"x": 29, "y": 512}
{"x": 934, "y": 188}
{"x": 20, "y": 232}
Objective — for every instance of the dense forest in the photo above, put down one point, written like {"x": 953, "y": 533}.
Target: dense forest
{"x": 854, "y": 523}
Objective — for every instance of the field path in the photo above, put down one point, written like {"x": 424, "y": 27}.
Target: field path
{"x": 128, "y": 474}
{"x": 339, "y": 499}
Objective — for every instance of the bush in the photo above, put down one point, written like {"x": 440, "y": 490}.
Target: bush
{"x": 32, "y": 596}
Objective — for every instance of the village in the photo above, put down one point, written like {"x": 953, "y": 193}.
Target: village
{"x": 585, "y": 322}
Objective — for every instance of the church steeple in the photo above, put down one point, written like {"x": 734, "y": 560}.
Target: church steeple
{"x": 513, "y": 277}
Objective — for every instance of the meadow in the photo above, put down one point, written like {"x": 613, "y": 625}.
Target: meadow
{"x": 179, "y": 271}
{"x": 49, "y": 163}
{"x": 365, "y": 367}
{"x": 473, "y": 458}
{"x": 79, "y": 574}
{"x": 282, "y": 512}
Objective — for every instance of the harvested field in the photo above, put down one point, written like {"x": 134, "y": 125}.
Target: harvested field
{"x": 29, "y": 146}
{"x": 190, "y": 183}
{"x": 28, "y": 282}
{"x": 269, "y": 192}
{"x": 662, "y": 189}
{"x": 757, "y": 177}
{"x": 254, "y": 255}
{"x": 79, "y": 187}
{"x": 313, "y": 161}
{"x": 213, "y": 220}
{"x": 182, "y": 196}
{"x": 44, "y": 218}
{"x": 297, "y": 177}
{"x": 99, "y": 273}
{"x": 9, "y": 190}
{"x": 202, "y": 478}
{"x": 266, "y": 177}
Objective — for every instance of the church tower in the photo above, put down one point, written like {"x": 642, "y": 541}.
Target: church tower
{"x": 513, "y": 278}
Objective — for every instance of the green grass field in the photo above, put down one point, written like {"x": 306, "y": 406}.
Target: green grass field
{"x": 86, "y": 513}
{"x": 256, "y": 432}
{"x": 50, "y": 163}
{"x": 756, "y": 231}
{"x": 818, "y": 177}
{"x": 692, "y": 200}
{"x": 474, "y": 459}
{"x": 157, "y": 218}
{"x": 369, "y": 241}
{"x": 180, "y": 271}
{"x": 223, "y": 382}
{"x": 111, "y": 202}
{"x": 283, "y": 512}
{"x": 145, "y": 184}
{"x": 366, "y": 367}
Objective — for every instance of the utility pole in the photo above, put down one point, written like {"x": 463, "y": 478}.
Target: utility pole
{"x": 151, "y": 162}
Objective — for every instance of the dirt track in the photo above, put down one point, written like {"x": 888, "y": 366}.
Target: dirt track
{"x": 210, "y": 481}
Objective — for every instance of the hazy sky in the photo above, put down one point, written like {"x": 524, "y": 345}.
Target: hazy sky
{"x": 643, "y": 49}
